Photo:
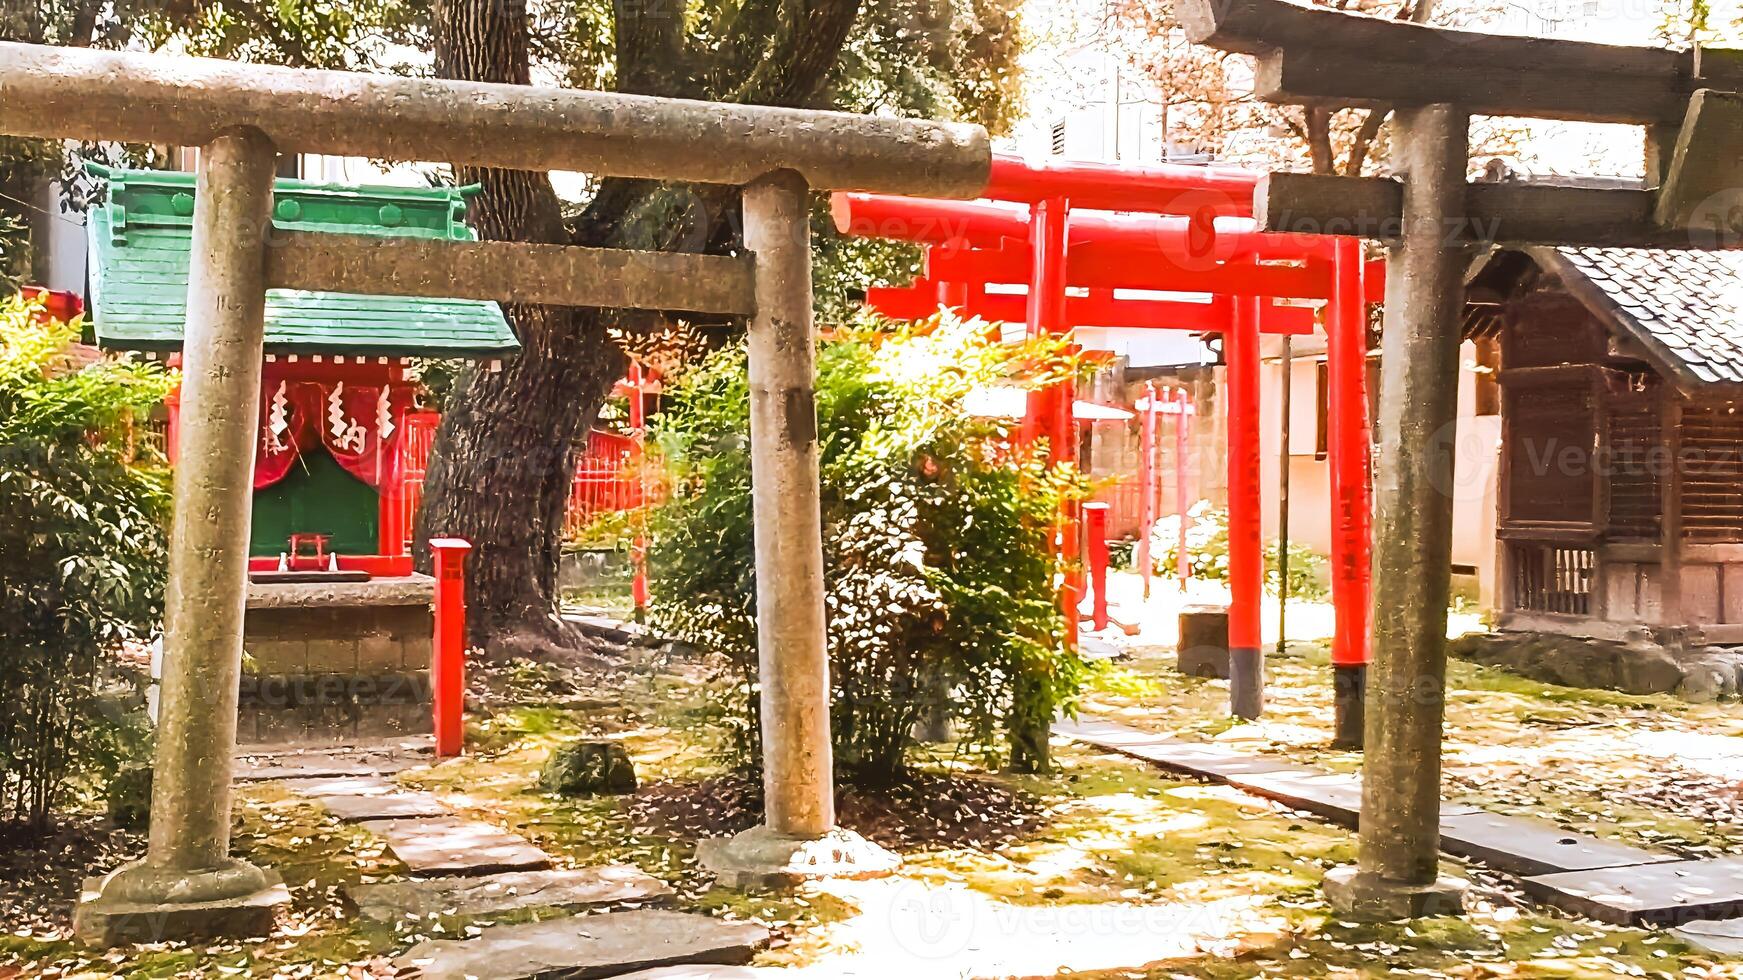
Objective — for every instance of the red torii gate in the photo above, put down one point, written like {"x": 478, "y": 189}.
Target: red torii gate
{"x": 1071, "y": 234}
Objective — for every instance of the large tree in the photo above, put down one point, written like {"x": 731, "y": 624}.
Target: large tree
{"x": 502, "y": 463}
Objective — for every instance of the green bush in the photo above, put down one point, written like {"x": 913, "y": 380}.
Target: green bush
{"x": 1207, "y": 549}
{"x": 82, "y": 559}
{"x": 940, "y": 578}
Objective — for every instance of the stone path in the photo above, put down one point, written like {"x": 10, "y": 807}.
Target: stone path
{"x": 467, "y": 867}
{"x": 576, "y": 947}
{"x": 1587, "y": 875}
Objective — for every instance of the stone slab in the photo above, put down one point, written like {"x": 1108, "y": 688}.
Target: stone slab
{"x": 353, "y": 808}
{"x": 1193, "y": 758}
{"x": 612, "y": 884}
{"x": 341, "y": 786}
{"x": 251, "y": 770}
{"x": 456, "y": 846}
{"x": 1521, "y": 846}
{"x": 1666, "y": 893}
{"x": 1334, "y": 796}
{"x": 1723, "y": 937}
{"x": 586, "y": 946}
{"x": 406, "y": 590}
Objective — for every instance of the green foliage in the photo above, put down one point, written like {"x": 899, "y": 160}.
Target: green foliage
{"x": 1207, "y": 548}
{"x": 937, "y": 559}
{"x": 82, "y": 559}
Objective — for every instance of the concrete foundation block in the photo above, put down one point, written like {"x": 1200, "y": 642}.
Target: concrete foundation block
{"x": 1364, "y": 897}
{"x": 1204, "y": 642}
{"x": 761, "y": 858}
{"x": 103, "y": 921}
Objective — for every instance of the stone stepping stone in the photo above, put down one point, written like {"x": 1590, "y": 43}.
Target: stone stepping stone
{"x": 1201, "y": 759}
{"x": 583, "y": 947}
{"x": 353, "y": 808}
{"x": 453, "y": 845}
{"x": 298, "y": 767}
{"x": 1665, "y": 893}
{"x": 612, "y": 884}
{"x": 1334, "y": 796}
{"x": 1723, "y": 937}
{"x": 1531, "y": 847}
{"x": 341, "y": 786}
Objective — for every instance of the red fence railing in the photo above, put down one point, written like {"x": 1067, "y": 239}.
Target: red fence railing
{"x": 605, "y": 478}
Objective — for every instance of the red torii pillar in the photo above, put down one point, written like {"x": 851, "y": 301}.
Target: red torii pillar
{"x": 1348, "y": 447}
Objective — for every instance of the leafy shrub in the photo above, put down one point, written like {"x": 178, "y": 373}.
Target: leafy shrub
{"x": 82, "y": 558}
{"x": 939, "y": 572}
{"x": 1207, "y": 549}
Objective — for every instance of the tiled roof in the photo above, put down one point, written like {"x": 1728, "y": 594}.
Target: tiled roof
{"x": 1684, "y": 306}
{"x": 140, "y": 240}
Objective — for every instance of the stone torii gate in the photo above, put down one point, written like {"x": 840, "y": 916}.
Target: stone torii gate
{"x": 241, "y": 117}
{"x": 1435, "y": 79}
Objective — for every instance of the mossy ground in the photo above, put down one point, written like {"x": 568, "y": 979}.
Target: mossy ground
{"x": 1105, "y": 833}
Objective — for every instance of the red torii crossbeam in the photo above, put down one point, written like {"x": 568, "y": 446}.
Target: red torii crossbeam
{"x": 1064, "y": 244}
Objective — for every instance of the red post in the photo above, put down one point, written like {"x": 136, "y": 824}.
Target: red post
{"x": 1096, "y": 522}
{"x": 1246, "y": 547}
{"x": 448, "y": 671}
{"x": 1050, "y": 410}
{"x": 638, "y": 433}
{"x": 1146, "y": 482}
{"x": 1348, "y": 447}
{"x": 1182, "y": 419}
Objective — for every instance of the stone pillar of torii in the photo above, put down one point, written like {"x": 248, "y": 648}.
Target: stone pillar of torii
{"x": 188, "y": 884}
{"x": 1434, "y": 222}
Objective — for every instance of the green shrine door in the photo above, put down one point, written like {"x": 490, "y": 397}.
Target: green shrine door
{"x": 317, "y": 497}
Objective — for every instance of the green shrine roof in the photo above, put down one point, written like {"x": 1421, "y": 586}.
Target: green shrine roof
{"x": 140, "y": 240}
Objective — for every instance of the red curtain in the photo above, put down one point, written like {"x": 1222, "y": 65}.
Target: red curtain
{"x": 355, "y": 424}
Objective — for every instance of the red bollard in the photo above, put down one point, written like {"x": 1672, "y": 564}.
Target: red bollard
{"x": 1095, "y": 517}
{"x": 448, "y": 666}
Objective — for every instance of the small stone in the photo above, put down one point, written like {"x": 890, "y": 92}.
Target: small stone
{"x": 588, "y": 769}
{"x": 1702, "y": 683}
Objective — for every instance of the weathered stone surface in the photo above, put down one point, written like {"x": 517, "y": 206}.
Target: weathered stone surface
{"x": 341, "y": 786}
{"x": 354, "y": 807}
{"x": 1660, "y": 894}
{"x": 1531, "y": 847}
{"x": 762, "y": 858}
{"x": 1203, "y": 650}
{"x": 1721, "y": 936}
{"x": 586, "y": 946}
{"x": 410, "y": 590}
{"x": 579, "y": 888}
{"x": 104, "y": 921}
{"x": 1367, "y": 898}
{"x": 1638, "y": 666}
{"x": 588, "y": 768}
{"x": 457, "y": 846}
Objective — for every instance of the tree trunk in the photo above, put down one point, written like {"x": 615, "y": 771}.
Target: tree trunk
{"x": 504, "y": 458}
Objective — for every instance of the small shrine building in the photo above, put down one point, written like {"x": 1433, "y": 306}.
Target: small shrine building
{"x": 338, "y": 626}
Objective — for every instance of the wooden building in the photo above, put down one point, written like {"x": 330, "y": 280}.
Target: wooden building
{"x": 1621, "y": 488}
